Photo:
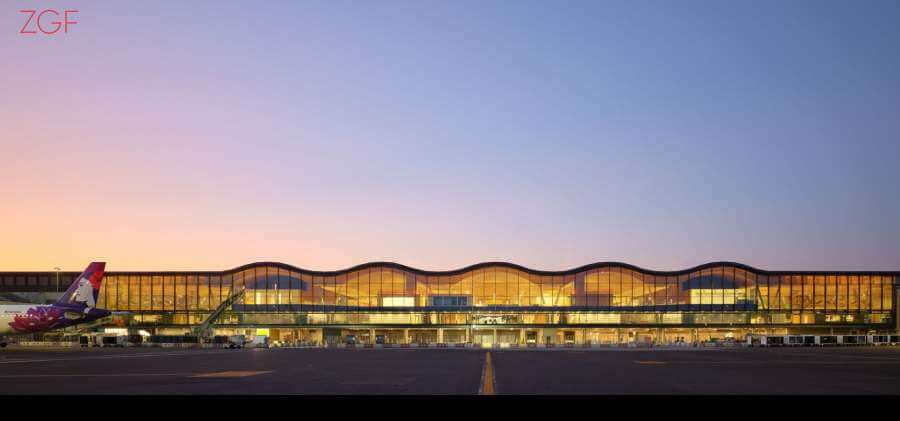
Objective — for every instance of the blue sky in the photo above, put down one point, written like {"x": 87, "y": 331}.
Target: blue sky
{"x": 439, "y": 134}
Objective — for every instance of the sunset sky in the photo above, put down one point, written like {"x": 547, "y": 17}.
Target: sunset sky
{"x": 176, "y": 135}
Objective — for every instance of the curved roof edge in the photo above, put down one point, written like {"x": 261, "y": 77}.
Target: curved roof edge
{"x": 481, "y": 265}
{"x": 572, "y": 271}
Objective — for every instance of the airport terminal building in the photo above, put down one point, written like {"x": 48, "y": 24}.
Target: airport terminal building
{"x": 490, "y": 303}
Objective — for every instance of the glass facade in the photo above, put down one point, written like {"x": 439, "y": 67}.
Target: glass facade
{"x": 495, "y": 295}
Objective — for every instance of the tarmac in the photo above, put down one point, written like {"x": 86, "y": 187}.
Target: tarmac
{"x": 396, "y": 371}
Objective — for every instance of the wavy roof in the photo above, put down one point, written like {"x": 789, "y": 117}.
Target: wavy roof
{"x": 597, "y": 265}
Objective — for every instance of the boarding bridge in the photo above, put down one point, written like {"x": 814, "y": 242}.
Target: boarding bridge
{"x": 204, "y": 329}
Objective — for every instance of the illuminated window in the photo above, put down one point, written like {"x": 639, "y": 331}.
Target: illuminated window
{"x": 398, "y": 301}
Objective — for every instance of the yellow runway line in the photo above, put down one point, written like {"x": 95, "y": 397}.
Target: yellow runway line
{"x": 487, "y": 384}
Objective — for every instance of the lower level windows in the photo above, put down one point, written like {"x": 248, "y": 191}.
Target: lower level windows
{"x": 449, "y": 301}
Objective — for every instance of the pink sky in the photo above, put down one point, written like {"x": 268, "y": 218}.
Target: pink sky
{"x": 320, "y": 134}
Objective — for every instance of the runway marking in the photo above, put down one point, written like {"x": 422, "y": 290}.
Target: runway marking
{"x": 487, "y": 376}
{"x": 231, "y": 374}
{"x": 105, "y": 357}
{"x": 651, "y": 362}
{"x": 866, "y": 357}
{"x": 21, "y": 376}
{"x": 807, "y": 362}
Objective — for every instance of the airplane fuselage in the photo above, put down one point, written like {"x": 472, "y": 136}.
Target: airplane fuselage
{"x": 8, "y": 314}
{"x": 76, "y": 306}
{"x": 34, "y": 318}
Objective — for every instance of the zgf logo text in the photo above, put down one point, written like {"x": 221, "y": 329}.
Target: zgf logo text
{"x": 36, "y": 21}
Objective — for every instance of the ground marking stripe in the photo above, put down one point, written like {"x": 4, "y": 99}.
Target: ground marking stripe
{"x": 230, "y": 374}
{"x": 23, "y": 376}
{"x": 807, "y": 362}
{"x": 487, "y": 376}
{"x": 164, "y": 354}
{"x": 221, "y": 374}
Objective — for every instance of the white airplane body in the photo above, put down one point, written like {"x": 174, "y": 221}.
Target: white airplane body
{"x": 76, "y": 306}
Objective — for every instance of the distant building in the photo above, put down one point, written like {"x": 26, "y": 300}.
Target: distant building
{"x": 494, "y": 303}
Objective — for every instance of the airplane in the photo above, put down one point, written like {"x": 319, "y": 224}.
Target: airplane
{"x": 76, "y": 306}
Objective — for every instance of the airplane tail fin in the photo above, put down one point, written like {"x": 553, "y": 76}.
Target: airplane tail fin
{"x": 86, "y": 288}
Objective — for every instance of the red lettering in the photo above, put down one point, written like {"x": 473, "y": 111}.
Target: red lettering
{"x": 25, "y": 26}
{"x": 67, "y": 21}
{"x": 58, "y": 24}
{"x": 34, "y": 16}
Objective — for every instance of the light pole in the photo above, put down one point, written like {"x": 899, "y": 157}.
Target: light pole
{"x": 57, "y": 278}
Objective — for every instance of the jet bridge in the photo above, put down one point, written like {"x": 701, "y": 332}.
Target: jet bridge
{"x": 204, "y": 329}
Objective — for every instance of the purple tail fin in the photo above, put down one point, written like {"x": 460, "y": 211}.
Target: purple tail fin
{"x": 86, "y": 288}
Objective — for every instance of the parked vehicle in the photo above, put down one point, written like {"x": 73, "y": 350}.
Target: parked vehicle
{"x": 258, "y": 342}
{"x": 853, "y": 339}
{"x": 772, "y": 341}
{"x": 880, "y": 339}
{"x": 112, "y": 340}
{"x": 793, "y": 340}
{"x": 88, "y": 341}
{"x": 236, "y": 341}
{"x": 827, "y": 340}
